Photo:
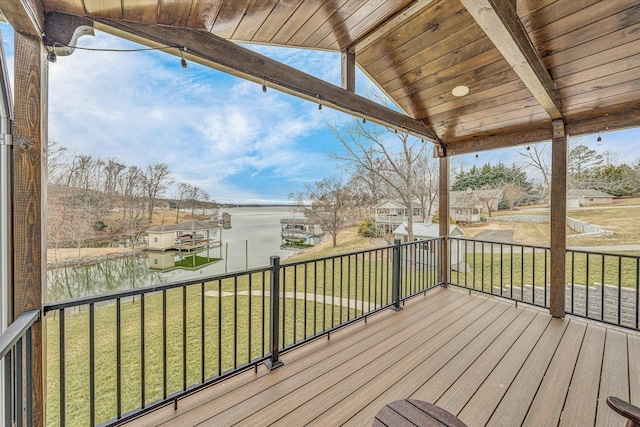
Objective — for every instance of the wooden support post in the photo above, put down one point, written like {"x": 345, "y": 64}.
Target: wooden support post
{"x": 30, "y": 124}
{"x": 558, "y": 219}
{"x": 443, "y": 215}
{"x": 348, "y": 70}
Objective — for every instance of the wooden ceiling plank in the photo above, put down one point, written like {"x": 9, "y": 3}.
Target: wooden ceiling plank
{"x": 203, "y": 14}
{"x": 594, "y": 52}
{"x": 445, "y": 75}
{"x": 439, "y": 97}
{"x": 583, "y": 31}
{"x": 426, "y": 30}
{"x": 506, "y": 93}
{"x": 26, "y": 17}
{"x": 144, "y": 11}
{"x": 256, "y": 15}
{"x": 450, "y": 42}
{"x": 391, "y": 24}
{"x": 111, "y": 9}
{"x": 360, "y": 23}
{"x": 596, "y": 60}
{"x": 598, "y": 84}
{"x": 492, "y": 118}
{"x": 335, "y": 19}
{"x": 229, "y": 57}
{"x": 620, "y": 116}
{"x": 229, "y": 17}
{"x": 552, "y": 13}
{"x": 276, "y": 19}
{"x": 325, "y": 9}
{"x": 527, "y": 7}
{"x": 605, "y": 97}
{"x": 297, "y": 19}
{"x": 501, "y": 24}
{"x": 601, "y": 72}
{"x": 175, "y": 13}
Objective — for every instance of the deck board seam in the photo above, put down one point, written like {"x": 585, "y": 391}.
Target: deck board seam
{"x": 383, "y": 331}
{"x": 573, "y": 372}
{"x": 419, "y": 330}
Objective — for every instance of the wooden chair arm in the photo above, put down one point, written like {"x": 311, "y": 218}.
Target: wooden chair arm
{"x": 626, "y": 409}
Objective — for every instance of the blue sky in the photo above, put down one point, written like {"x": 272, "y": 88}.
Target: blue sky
{"x": 213, "y": 130}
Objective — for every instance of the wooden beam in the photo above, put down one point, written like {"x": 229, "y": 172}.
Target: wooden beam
{"x": 443, "y": 215}
{"x": 25, "y": 16}
{"x": 558, "y": 219}
{"x": 348, "y": 70}
{"x": 30, "y": 124}
{"x": 518, "y": 136}
{"x": 215, "y": 52}
{"x": 396, "y": 20}
{"x": 500, "y": 23}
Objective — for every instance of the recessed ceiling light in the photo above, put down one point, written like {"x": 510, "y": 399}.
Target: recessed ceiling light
{"x": 460, "y": 91}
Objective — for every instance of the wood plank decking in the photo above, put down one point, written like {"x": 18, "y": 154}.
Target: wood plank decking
{"x": 485, "y": 360}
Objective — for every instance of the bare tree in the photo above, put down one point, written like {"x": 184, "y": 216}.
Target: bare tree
{"x": 392, "y": 157}
{"x": 183, "y": 192}
{"x": 513, "y": 193}
{"x": 538, "y": 158}
{"x": 155, "y": 181}
{"x": 426, "y": 182}
{"x": 489, "y": 196}
{"x": 326, "y": 202}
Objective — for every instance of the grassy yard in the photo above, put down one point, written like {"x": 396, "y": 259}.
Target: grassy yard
{"x": 235, "y": 331}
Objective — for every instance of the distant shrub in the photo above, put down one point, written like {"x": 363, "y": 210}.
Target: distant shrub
{"x": 99, "y": 226}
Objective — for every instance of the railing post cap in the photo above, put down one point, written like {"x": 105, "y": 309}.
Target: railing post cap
{"x": 397, "y": 241}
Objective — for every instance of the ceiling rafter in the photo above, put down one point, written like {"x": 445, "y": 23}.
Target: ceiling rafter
{"x": 221, "y": 54}
{"x": 499, "y": 21}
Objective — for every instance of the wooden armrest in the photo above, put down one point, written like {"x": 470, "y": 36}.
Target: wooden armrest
{"x": 626, "y": 409}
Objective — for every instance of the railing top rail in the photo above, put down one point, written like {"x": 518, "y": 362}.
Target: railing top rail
{"x": 16, "y": 330}
{"x": 431, "y": 239}
{"x": 581, "y": 251}
{"x": 147, "y": 289}
{"x": 501, "y": 243}
{"x": 346, "y": 254}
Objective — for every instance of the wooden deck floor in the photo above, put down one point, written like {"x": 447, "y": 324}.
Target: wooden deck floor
{"x": 487, "y": 361}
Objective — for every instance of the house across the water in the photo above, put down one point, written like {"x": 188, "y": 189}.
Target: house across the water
{"x": 187, "y": 236}
{"x": 299, "y": 232}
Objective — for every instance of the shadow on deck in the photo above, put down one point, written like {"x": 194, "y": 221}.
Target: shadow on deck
{"x": 487, "y": 361}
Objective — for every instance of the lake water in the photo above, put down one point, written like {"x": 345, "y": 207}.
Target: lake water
{"x": 257, "y": 229}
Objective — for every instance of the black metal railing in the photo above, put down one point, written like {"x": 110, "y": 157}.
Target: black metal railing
{"x": 604, "y": 287}
{"x": 517, "y": 272}
{"x": 113, "y": 357}
{"x": 16, "y": 352}
{"x": 599, "y": 286}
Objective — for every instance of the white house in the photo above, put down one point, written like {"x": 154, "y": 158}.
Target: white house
{"x": 469, "y": 205}
{"x": 190, "y": 235}
{"x": 584, "y": 198}
{"x": 423, "y": 231}
{"x": 391, "y": 213}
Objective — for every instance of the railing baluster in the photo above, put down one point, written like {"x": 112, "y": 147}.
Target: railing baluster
{"x": 573, "y": 278}
{"x": 184, "y": 338}
{"x": 118, "y": 360}
{"x": 63, "y": 374}
{"x": 586, "y": 288}
{"x": 203, "y": 349}
{"x": 19, "y": 384}
{"x": 29, "y": 377}
{"x": 295, "y": 307}
{"x": 9, "y": 396}
{"x": 637, "y": 293}
{"x": 602, "y": 289}
{"x": 142, "y": 355}
{"x": 164, "y": 343}
{"x": 619, "y": 287}
{"x": 249, "y": 319}
{"x": 92, "y": 366}
{"x": 219, "y": 327}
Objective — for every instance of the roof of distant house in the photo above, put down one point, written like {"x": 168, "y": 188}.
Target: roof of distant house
{"x": 588, "y": 193}
{"x": 426, "y": 230}
{"x": 193, "y": 225}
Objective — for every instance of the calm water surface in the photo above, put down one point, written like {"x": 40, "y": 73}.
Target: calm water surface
{"x": 255, "y": 228}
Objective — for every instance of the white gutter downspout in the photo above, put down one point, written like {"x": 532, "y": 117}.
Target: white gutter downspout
{"x": 6, "y": 146}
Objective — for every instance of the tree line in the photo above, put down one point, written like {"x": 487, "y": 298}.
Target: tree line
{"x": 88, "y": 196}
